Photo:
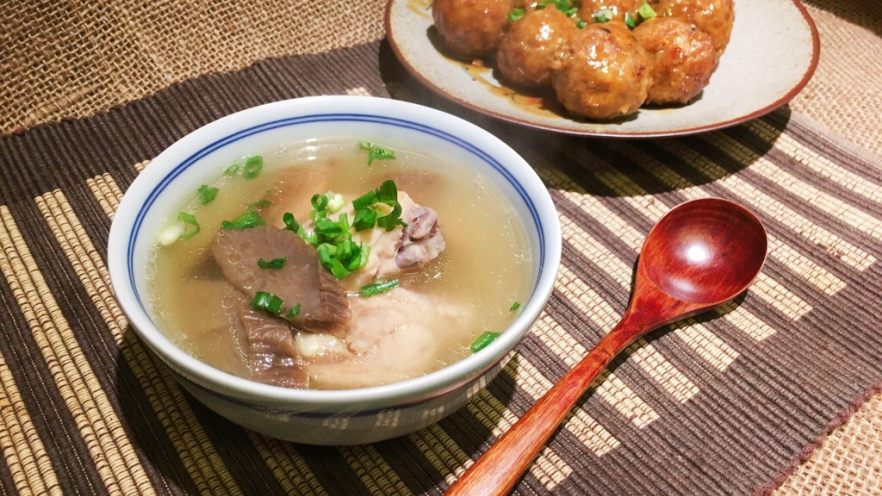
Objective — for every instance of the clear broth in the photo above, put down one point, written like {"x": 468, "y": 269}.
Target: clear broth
{"x": 485, "y": 268}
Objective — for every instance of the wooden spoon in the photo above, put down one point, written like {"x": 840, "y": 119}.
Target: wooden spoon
{"x": 701, "y": 254}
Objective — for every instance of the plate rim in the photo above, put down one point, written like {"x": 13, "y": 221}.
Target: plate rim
{"x": 798, "y": 87}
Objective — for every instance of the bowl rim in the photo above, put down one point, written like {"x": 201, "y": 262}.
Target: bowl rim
{"x": 435, "y": 383}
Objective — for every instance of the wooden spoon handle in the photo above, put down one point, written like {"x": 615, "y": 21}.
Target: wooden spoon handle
{"x": 502, "y": 466}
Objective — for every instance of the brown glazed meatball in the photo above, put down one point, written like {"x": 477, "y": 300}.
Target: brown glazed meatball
{"x": 619, "y": 7}
{"x": 606, "y": 75}
{"x": 471, "y": 28}
{"x": 535, "y": 46}
{"x": 684, "y": 59}
{"x": 714, "y": 17}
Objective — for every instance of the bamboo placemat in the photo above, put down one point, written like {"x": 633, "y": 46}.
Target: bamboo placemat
{"x": 726, "y": 405}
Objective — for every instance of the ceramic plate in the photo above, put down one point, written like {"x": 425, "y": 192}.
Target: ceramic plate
{"x": 771, "y": 56}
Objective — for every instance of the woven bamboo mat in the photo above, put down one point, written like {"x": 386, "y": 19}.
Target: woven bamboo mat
{"x": 724, "y": 405}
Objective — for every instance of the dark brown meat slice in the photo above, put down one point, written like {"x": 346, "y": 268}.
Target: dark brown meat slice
{"x": 268, "y": 345}
{"x": 301, "y": 281}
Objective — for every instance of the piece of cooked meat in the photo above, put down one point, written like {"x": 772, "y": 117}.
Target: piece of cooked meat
{"x": 535, "y": 46}
{"x": 398, "y": 250}
{"x": 386, "y": 343}
{"x": 471, "y": 28}
{"x": 684, "y": 59}
{"x": 271, "y": 354}
{"x": 607, "y": 74}
{"x": 421, "y": 241}
{"x": 301, "y": 281}
{"x": 618, "y": 8}
{"x": 714, "y": 17}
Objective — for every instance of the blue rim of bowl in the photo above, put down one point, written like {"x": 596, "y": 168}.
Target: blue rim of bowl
{"x": 309, "y": 119}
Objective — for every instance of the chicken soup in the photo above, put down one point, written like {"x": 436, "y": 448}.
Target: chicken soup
{"x": 339, "y": 264}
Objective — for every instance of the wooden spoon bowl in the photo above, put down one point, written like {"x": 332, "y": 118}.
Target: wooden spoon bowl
{"x": 701, "y": 254}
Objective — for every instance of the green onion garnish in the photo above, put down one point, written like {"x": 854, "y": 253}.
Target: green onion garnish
{"x": 319, "y": 202}
{"x": 253, "y": 166}
{"x": 365, "y": 218}
{"x": 581, "y": 24}
{"x": 603, "y": 15}
{"x": 516, "y": 14}
{"x": 290, "y": 222}
{"x": 630, "y": 21}
{"x": 267, "y": 302}
{"x": 245, "y": 221}
{"x": 388, "y": 222}
{"x": 483, "y": 340}
{"x": 191, "y": 227}
{"x": 231, "y": 170}
{"x": 378, "y": 287}
{"x": 293, "y": 312}
{"x": 376, "y": 152}
{"x": 514, "y": 307}
{"x": 645, "y": 12}
{"x": 275, "y": 264}
{"x": 207, "y": 194}
{"x": 571, "y": 12}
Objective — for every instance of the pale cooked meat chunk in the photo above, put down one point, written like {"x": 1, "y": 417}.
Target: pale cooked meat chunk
{"x": 301, "y": 281}
{"x": 401, "y": 249}
{"x": 386, "y": 344}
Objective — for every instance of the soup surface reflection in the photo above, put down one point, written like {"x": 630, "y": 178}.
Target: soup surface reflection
{"x": 456, "y": 265}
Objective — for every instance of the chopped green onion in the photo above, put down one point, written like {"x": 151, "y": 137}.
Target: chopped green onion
{"x": 378, "y": 287}
{"x": 267, "y": 302}
{"x": 290, "y": 222}
{"x": 365, "y": 218}
{"x": 514, "y": 307}
{"x": 207, "y": 194}
{"x": 245, "y": 221}
{"x": 335, "y": 201}
{"x": 645, "y": 12}
{"x": 389, "y": 222}
{"x": 275, "y": 264}
{"x": 328, "y": 228}
{"x": 365, "y": 200}
{"x": 581, "y": 24}
{"x": 319, "y": 202}
{"x": 376, "y": 152}
{"x": 516, "y": 14}
{"x": 293, "y": 312}
{"x": 603, "y": 15}
{"x": 388, "y": 193}
{"x": 231, "y": 170}
{"x": 571, "y": 11}
{"x": 483, "y": 340}
{"x": 253, "y": 166}
{"x": 191, "y": 227}
{"x": 630, "y": 21}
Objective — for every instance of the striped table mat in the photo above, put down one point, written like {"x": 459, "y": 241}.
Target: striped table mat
{"x": 724, "y": 404}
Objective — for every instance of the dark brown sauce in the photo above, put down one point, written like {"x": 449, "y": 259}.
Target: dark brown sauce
{"x": 530, "y": 103}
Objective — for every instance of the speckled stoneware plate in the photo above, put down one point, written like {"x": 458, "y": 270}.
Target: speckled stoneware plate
{"x": 771, "y": 56}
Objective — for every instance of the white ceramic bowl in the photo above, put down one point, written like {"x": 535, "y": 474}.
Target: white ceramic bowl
{"x": 312, "y": 416}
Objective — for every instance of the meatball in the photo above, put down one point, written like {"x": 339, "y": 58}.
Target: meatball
{"x": 606, "y": 75}
{"x": 714, "y": 17}
{"x": 471, "y": 28}
{"x": 535, "y": 46}
{"x": 617, "y": 7}
{"x": 684, "y": 59}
